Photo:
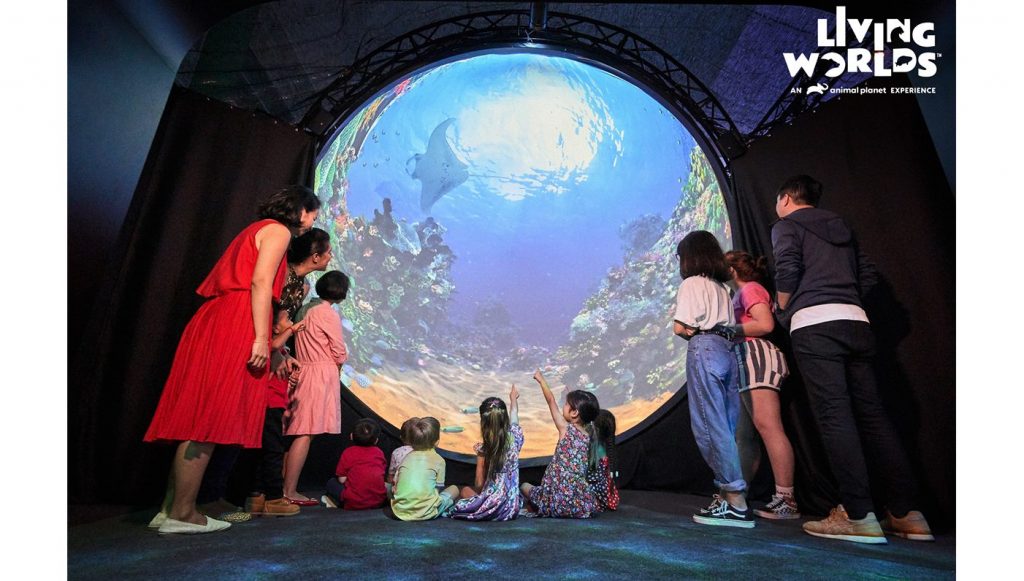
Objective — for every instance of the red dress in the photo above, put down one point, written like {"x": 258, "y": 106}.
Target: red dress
{"x": 212, "y": 395}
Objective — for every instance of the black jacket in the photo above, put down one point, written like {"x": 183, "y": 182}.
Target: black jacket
{"x": 818, "y": 261}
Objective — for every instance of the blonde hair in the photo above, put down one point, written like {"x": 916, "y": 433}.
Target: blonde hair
{"x": 424, "y": 433}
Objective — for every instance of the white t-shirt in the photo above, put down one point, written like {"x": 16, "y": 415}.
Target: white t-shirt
{"x": 703, "y": 303}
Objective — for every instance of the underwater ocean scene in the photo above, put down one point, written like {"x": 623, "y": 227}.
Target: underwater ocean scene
{"x": 509, "y": 212}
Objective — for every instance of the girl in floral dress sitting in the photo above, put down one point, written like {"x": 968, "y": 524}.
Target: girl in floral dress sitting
{"x": 564, "y": 491}
{"x": 495, "y": 495}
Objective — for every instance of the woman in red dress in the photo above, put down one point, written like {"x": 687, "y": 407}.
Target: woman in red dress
{"x": 216, "y": 391}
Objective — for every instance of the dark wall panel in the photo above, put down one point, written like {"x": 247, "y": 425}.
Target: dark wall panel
{"x": 876, "y": 159}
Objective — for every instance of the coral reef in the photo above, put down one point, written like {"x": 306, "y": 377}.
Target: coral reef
{"x": 621, "y": 344}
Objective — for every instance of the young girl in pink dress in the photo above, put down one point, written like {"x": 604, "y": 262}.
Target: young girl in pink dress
{"x": 314, "y": 404}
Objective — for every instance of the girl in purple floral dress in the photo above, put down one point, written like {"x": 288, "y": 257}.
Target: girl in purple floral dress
{"x": 495, "y": 495}
{"x": 564, "y": 492}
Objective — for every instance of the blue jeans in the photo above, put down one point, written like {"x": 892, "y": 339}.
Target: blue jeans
{"x": 713, "y": 391}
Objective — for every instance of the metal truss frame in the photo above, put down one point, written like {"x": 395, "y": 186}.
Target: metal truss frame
{"x": 794, "y": 100}
{"x": 582, "y": 37}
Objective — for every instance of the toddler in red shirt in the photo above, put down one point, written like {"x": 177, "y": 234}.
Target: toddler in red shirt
{"x": 359, "y": 480}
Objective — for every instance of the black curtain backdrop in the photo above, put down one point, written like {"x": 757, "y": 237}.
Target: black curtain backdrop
{"x": 880, "y": 170}
{"x": 208, "y": 168}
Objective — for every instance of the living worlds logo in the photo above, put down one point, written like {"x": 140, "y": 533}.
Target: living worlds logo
{"x": 859, "y": 46}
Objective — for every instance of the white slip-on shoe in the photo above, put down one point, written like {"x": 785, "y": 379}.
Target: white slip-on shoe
{"x": 158, "y": 520}
{"x": 177, "y": 527}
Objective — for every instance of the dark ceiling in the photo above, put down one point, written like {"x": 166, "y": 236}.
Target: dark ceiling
{"x": 278, "y": 57}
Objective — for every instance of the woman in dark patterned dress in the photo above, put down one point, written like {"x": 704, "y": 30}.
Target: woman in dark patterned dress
{"x": 307, "y": 253}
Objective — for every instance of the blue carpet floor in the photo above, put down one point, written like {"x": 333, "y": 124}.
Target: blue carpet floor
{"x": 651, "y": 536}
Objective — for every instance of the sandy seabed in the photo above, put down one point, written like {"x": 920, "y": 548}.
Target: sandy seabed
{"x": 442, "y": 390}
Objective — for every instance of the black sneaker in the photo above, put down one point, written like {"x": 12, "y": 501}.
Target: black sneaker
{"x": 779, "y": 508}
{"x": 721, "y": 513}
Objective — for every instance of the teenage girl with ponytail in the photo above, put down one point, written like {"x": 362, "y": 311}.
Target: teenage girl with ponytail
{"x": 495, "y": 494}
{"x": 564, "y": 491}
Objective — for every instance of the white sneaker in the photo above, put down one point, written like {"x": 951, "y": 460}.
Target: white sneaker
{"x": 327, "y": 502}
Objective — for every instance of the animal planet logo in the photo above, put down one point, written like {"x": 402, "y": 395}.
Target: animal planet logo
{"x": 865, "y": 60}
{"x": 817, "y": 89}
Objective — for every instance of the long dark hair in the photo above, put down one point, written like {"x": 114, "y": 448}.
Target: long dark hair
{"x": 287, "y": 204}
{"x": 700, "y": 255}
{"x": 605, "y": 425}
{"x": 494, "y": 425}
{"x": 316, "y": 241}
{"x": 585, "y": 403}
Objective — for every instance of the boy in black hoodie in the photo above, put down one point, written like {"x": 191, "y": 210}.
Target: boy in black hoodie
{"x": 821, "y": 276}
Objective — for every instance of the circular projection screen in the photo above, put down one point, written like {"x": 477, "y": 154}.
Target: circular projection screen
{"x": 507, "y": 212}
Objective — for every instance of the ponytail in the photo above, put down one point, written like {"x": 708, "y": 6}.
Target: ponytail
{"x": 596, "y": 447}
{"x": 494, "y": 426}
{"x": 748, "y": 267}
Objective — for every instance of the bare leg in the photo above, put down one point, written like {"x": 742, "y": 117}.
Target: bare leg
{"x": 190, "y": 462}
{"x": 737, "y": 499}
{"x": 526, "y": 487}
{"x": 768, "y": 420}
{"x": 468, "y": 492}
{"x": 748, "y": 442}
{"x": 294, "y": 460}
{"x": 165, "y": 507}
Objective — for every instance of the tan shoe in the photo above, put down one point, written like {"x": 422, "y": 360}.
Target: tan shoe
{"x": 279, "y": 507}
{"x": 254, "y": 503}
{"x": 838, "y": 525}
{"x": 913, "y": 526}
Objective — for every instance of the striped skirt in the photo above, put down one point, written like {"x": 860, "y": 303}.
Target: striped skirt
{"x": 761, "y": 363}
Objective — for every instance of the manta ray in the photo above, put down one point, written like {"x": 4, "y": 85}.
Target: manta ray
{"x": 438, "y": 169}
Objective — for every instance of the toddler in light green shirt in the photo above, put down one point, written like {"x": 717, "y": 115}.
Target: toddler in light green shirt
{"x": 419, "y": 476}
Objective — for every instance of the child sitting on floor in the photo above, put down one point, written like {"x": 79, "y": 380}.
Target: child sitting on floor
{"x": 602, "y": 480}
{"x": 359, "y": 480}
{"x": 564, "y": 491}
{"x": 399, "y": 454}
{"x": 495, "y": 494}
{"x": 416, "y": 481}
